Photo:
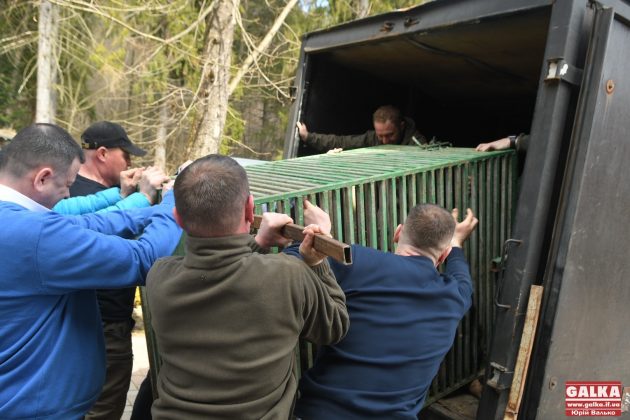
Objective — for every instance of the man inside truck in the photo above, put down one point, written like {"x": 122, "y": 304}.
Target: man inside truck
{"x": 390, "y": 127}
{"x": 403, "y": 319}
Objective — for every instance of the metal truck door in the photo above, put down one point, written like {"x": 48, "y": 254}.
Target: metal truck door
{"x": 586, "y": 306}
{"x": 526, "y": 254}
{"x": 585, "y": 261}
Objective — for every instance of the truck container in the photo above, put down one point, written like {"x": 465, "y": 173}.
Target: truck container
{"x": 474, "y": 71}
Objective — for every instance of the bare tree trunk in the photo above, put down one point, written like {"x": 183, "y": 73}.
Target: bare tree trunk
{"x": 46, "y": 62}
{"x": 362, "y": 8}
{"x": 160, "y": 144}
{"x": 215, "y": 77}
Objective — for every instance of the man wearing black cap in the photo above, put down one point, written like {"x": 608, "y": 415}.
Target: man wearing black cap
{"x": 107, "y": 151}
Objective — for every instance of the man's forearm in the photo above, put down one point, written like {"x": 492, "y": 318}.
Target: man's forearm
{"x": 323, "y": 142}
{"x": 457, "y": 267}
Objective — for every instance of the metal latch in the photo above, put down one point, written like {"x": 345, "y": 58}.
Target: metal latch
{"x": 501, "y": 271}
{"x": 558, "y": 69}
{"x": 501, "y": 379}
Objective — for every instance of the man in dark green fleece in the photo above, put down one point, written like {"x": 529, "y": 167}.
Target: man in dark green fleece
{"x": 390, "y": 127}
{"x": 227, "y": 317}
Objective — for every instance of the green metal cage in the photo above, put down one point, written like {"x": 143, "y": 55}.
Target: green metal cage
{"x": 369, "y": 191}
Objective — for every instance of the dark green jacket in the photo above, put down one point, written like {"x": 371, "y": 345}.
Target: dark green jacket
{"x": 324, "y": 142}
{"x": 522, "y": 142}
{"x": 227, "y": 320}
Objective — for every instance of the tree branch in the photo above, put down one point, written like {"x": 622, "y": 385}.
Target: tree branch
{"x": 253, "y": 57}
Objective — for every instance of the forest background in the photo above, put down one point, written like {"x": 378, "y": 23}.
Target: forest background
{"x": 184, "y": 77}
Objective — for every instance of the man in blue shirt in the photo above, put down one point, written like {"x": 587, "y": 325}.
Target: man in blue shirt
{"x": 403, "y": 319}
{"x": 52, "y": 358}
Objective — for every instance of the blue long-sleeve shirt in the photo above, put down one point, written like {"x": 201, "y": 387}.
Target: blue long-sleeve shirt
{"x": 403, "y": 319}
{"x": 52, "y": 357}
{"x": 101, "y": 202}
{"x": 89, "y": 196}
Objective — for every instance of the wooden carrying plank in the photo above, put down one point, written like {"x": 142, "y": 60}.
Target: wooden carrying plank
{"x": 524, "y": 353}
{"x": 322, "y": 243}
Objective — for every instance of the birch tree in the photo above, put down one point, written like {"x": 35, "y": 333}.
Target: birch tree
{"x": 215, "y": 77}
{"x": 46, "y": 62}
{"x": 362, "y": 8}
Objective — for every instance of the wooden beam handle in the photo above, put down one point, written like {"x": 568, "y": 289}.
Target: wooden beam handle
{"x": 322, "y": 243}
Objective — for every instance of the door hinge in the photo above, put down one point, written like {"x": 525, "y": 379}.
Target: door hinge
{"x": 558, "y": 69}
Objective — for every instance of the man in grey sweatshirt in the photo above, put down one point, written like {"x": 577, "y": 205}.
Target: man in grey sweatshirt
{"x": 227, "y": 317}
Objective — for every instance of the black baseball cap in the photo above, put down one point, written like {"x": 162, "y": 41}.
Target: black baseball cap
{"x": 108, "y": 134}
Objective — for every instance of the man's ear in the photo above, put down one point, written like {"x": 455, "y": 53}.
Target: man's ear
{"x": 177, "y": 217}
{"x": 397, "y": 233}
{"x": 101, "y": 153}
{"x": 42, "y": 178}
{"x": 249, "y": 209}
{"x": 444, "y": 255}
